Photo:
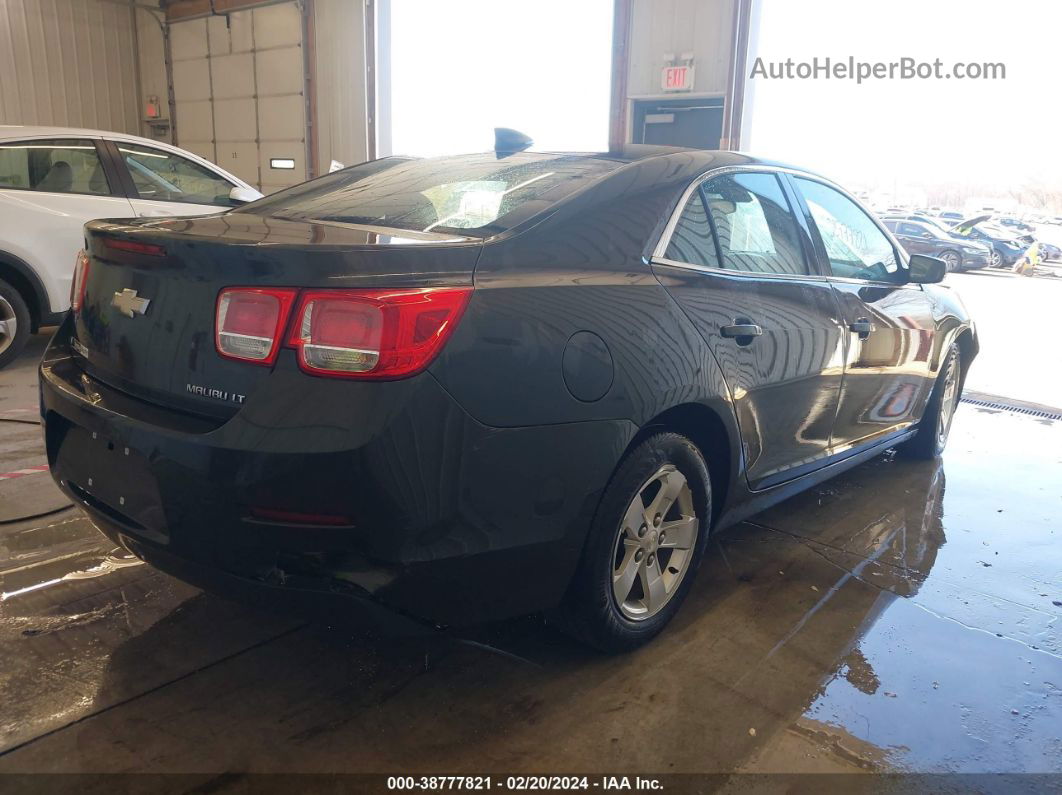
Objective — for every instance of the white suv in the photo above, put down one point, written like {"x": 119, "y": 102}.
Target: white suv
{"x": 54, "y": 179}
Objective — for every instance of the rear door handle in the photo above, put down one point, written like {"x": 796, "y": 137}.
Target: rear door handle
{"x": 742, "y": 330}
{"x": 862, "y": 327}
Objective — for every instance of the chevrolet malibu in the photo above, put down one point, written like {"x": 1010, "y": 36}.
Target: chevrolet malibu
{"x": 438, "y": 392}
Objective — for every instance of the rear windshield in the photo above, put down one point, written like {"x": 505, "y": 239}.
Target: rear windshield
{"x": 475, "y": 194}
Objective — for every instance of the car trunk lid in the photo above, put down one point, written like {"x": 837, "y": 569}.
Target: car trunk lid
{"x": 147, "y": 321}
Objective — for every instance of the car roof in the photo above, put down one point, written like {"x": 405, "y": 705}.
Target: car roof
{"x": 16, "y": 131}
{"x": 708, "y": 158}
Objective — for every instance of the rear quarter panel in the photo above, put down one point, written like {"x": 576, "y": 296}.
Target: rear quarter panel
{"x": 582, "y": 269}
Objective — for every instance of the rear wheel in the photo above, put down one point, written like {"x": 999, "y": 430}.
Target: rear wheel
{"x": 935, "y": 425}
{"x": 644, "y": 547}
{"x": 14, "y": 323}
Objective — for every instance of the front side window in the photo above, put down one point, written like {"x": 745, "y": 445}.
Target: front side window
{"x": 53, "y": 166}
{"x": 754, "y": 224}
{"x": 164, "y": 176}
{"x": 692, "y": 240}
{"x": 912, "y": 230}
{"x": 855, "y": 246}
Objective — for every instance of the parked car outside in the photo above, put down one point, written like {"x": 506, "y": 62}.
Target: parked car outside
{"x": 1049, "y": 251}
{"x": 451, "y": 390}
{"x": 923, "y": 237}
{"x": 54, "y": 179}
{"x": 1017, "y": 224}
{"x": 1006, "y": 248}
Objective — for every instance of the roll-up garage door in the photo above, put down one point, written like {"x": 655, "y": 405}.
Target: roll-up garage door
{"x": 238, "y": 80}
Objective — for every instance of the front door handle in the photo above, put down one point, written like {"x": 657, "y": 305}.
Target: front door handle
{"x": 742, "y": 329}
{"x": 862, "y": 327}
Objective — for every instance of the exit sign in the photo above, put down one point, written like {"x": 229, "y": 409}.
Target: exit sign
{"x": 677, "y": 78}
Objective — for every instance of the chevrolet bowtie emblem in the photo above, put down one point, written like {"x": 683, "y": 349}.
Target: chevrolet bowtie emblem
{"x": 127, "y": 302}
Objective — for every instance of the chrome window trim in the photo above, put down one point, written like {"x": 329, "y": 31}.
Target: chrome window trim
{"x": 800, "y": 277}
{"x": 669, "y": 228}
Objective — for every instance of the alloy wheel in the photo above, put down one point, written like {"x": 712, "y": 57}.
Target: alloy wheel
{"x": 654, "y": 545}
{"x": 997, "y": 259}
{"x": 951, "y": 260}
{"x": 948, "y": 400}
{"x": 8, "y": 324}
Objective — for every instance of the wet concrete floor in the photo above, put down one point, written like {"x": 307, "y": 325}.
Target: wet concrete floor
{"x": 902, "y": 617}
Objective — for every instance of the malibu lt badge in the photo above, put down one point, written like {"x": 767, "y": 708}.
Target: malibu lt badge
{"x": 216, "y": 394}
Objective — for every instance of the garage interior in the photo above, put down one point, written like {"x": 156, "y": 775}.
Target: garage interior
{"x": 903, "y": 617}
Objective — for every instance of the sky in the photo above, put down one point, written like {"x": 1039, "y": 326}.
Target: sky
{"x": 469, "y": 66}
{"x": 462, "y": 67}
{"x": 998, "y": 132}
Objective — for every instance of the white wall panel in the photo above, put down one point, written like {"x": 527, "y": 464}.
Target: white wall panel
{"x": 68, "y": 63}
{"x": 277, "y": 26}
{"x": 197, "y": 122}
{"x": 701, "y": 28}
{"x": 189, "y": 39}
{"x": 235, "y": 120}
{"x": 232, "y": 76}
{"x": 191, "y": 79}
{"x": 280, "y": 71}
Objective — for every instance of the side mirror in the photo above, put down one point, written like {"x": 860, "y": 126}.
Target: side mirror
{"x": 926, "y": 270}
{"x": 927, "y": 235}
{"x": 244, "y": 195}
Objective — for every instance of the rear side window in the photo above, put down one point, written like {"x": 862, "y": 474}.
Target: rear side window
{"x": 466, "y": 193}
{"x": 754, "y": 224}
{"x": 692, "y": 240}
{"x": 68, "y": 165}
{"x": 855, "y": 246}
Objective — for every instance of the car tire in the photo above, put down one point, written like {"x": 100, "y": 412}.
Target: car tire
{"x": 14, "y": 323}
{"x": 619, "y": 558}
{"x": 997, "y": 259}
{"x": 952, "y": 259}
{"x": 935, "y": 425}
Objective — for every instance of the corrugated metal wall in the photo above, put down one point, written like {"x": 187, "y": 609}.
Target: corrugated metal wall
{"x": 69, "y": 63}
{"x": 662, "y": 27}
{"x": 340, "y": 50}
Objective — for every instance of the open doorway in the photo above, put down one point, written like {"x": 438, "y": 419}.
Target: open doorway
{"x": 690, "y": 122}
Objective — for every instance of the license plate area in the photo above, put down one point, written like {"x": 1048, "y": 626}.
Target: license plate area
{"x": 114, "y": 479}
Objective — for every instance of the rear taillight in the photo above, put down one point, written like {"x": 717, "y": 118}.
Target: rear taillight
{"x": 374, "y": 333}
{"x": 77, "y": 284}
{"x": 250, "y": 322}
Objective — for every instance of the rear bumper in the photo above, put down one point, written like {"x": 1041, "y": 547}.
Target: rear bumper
{"x": 445, "y": 521}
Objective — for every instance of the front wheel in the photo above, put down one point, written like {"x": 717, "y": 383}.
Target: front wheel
{"x": 644, "y": 546}
{"x": 935, "y": 425}
{"x": 997, "y": 259}
{"x": 952, "y": 260}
